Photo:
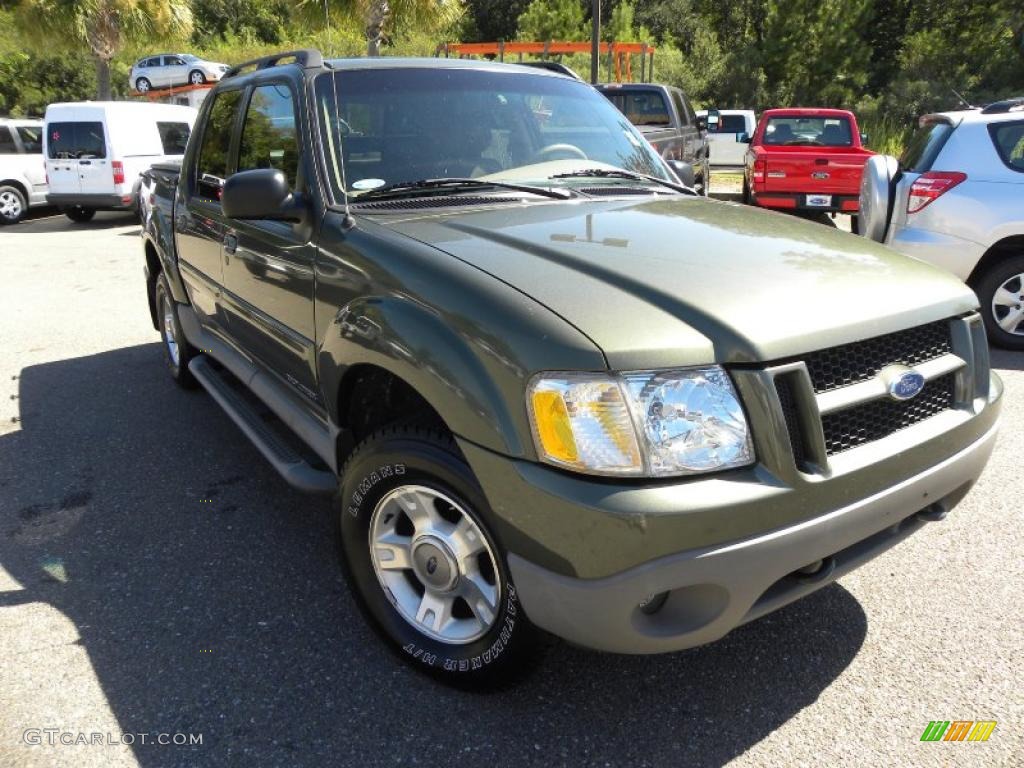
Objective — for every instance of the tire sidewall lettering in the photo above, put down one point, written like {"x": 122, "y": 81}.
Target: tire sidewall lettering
{"x": 367, "y": 484}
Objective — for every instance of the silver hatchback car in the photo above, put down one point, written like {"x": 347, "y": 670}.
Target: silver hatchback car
{"x": 956, "y": 199}
{"x": 169, "y": 69}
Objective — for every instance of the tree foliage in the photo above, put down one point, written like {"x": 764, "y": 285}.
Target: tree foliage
{"x": 102, "y": 27}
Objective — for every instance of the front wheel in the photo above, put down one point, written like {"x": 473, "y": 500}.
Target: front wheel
{"x": 142, "y": 85}
{"x": 1001, "y": 294}
{"x": 423, "y": 564}
{"x": 196, "y": 77}
{"x": 79, "y": 214}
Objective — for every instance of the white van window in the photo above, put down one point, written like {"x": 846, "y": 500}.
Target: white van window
{"x": 174, "y": 137}
{"x": 78, "y": 140}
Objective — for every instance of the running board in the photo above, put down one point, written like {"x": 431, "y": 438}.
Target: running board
{"x": 292, "y": 467}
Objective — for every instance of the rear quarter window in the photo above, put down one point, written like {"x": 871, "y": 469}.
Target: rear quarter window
{"x": 924, "y": 146}
{"x": 7, "y": 145}
{"x": 1009, "y": 142}
{"x": 732, "y": 124}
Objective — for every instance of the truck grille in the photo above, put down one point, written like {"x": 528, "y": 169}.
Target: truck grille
{"x": 862, "y": 360}
{"x": 880, "y": 418}
{"x": 871, "y": 420}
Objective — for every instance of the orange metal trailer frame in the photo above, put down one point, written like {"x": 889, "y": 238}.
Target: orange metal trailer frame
{"x": 620, "y": 61}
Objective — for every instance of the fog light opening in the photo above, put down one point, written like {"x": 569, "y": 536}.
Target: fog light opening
{"x": 653, "y": 603}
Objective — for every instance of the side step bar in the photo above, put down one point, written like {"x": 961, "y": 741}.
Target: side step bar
{"x": 292, "y": 467}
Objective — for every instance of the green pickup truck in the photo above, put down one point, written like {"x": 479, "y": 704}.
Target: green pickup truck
{"x": 552, "y": 390}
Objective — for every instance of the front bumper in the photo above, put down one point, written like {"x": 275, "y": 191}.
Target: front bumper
{"x": 584, "y": 553}
{"x": 99, "y": 202}
{"x": 712, "y": 591}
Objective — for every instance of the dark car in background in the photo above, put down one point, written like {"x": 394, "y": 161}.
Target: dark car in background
{"x": 666, "y": 119}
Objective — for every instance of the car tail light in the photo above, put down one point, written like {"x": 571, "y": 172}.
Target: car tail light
{"x": 760, "y": 166}
{"x": 118, "y": 168}
{"x": 931, "y": 186}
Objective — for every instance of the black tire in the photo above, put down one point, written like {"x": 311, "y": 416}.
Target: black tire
{"x": 991, "y": 281}
{"x": 855, "y": 225}
{"x": 167, "y": 314}
{"x": 745, "y": 196}
{"x": 195, "y": 77}
{"x": 404, "y": 455}
{"x": 142, "y": 85}
{"x": 13, "y": 205}
{"x": 80, "y": 215}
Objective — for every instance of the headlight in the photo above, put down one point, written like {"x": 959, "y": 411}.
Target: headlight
{"x": 650, "y": 423}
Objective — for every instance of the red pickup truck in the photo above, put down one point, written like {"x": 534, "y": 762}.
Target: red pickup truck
{"x": 805, "y": 159}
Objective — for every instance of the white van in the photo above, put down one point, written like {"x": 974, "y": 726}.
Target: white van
{"x": 95, "y": 151}
{"x": 726, "y": 151}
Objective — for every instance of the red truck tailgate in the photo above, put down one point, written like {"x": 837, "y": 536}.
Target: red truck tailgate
{"x": 814, "y": 170}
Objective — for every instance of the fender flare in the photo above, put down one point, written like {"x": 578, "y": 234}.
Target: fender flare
{"x": 413, "y": 342}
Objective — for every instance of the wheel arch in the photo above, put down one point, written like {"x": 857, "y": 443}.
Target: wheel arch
{"x": 398, "y": 341}
{"x": 1008, "y": 246}
{"x": 19, "y": 184}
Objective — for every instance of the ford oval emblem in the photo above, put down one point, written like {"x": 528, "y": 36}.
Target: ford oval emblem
{"x": 906, "y": 385}
{"x": 820, "y": 175}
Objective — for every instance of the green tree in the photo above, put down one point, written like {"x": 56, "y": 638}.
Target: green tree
{"x": 553, "y": 20}
{"x": 102, "y": 26}
{"x": 383, "y": 19}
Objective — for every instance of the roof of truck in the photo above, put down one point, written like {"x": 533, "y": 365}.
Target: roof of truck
{"x": 806, "y": 112}
{"x": 400, "y": 62}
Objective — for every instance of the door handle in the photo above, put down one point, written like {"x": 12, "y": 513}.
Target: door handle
{"x": 85, "y": 162}
{"x": 230, "y": 243}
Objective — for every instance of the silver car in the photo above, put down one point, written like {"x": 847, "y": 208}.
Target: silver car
{"x": 956, "y": 199}
{"x": 167, "y": 69}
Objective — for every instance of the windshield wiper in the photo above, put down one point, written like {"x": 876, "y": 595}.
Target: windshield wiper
{"x": 618, "y": 173}
{"x": 404, "y": 188}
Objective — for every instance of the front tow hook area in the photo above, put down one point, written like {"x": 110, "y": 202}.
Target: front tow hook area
{"x": 817, "y": 571}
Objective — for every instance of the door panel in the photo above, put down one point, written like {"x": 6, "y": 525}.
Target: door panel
{"x": 175, "y": 70}
{"x": 199, "y": 222}
{"x": 268, "y": 265}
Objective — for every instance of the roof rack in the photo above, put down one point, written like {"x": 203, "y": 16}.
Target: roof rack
{"x": 1006, "y": 105}
{"x": 308, "y": 58}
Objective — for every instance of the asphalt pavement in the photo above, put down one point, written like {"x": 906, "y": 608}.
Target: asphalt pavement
{"x": 158, "y": 578}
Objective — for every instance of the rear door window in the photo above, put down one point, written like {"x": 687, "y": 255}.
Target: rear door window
{"x": 646, "y": 108}
{"x": 808, "y": 131}
{"x": 269, "y": 137}
{"x": 731, "y": 124}
{"x": 76, "y": 141}
{"x": 174, "y": 137}
{"x": 7, "y": 145}
{"x": 31, "y": 139}
{"x": 1009, "y": 141}
{"x": 213, "y": 164}
{"x": 924, "y": 146}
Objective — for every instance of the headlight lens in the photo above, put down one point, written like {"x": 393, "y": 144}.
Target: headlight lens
{"x": 654, "y": 423}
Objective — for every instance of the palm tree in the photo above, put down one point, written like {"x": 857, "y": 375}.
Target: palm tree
{"x": 103, "y": 26}
{"x": 380, "y": 17}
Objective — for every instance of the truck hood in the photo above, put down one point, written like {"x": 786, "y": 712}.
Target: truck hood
{"x": 687, "y": 281}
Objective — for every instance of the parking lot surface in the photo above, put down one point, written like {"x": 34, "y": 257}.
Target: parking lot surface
{"x": 157, "y": 577}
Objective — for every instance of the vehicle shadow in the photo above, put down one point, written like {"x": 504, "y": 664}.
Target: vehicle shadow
{"x": 207, "y": 595}
{"x": 58, "y": 222}
{"x": 1006, "y": 359}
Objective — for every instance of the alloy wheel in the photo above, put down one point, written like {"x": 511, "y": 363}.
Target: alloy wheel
{"x": 1008, "y": 305}
{"x": 10, "y": 206}
{"x": 170, "y": 337}
{"x": 435, "y": 564}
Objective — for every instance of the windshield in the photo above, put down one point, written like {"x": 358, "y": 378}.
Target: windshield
{"x": 406, "y": 124}
{"x": 824, "y": 131}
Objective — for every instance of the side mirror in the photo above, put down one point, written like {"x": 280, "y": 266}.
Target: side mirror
{"x": 864, "y": 139}
{"x": 743, "y": 137}
{"x": 262, "y": 193}
{"x": 684, "y": 171}
{"x": 702, "y": 122}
